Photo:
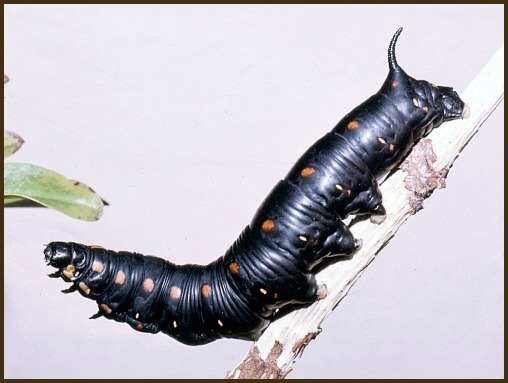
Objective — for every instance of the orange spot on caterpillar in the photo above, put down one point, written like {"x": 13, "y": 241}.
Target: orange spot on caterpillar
{"x": 106, "y": 308}
{"x": 234, "y": 268}
{"x": 394, "y": 84}
{"x": 425, "y": 109}
{"x": 268, "y": 226}
{"x": 97, "y": 266}
{"x": 391, "y": 148}
{"x": 69, "y": 271}
{"x": 67, "y": 274}
{"x": 148, "y": 285}
{"x": 84, "y": 288}
{"x": 206, "y": 290}
{"x": 175, "y": 292}
{"x": 353, "y": 125}
{"x": 120, "y": 278}
{"x": 307, "y": 172}
{"x": 139, "y": 326}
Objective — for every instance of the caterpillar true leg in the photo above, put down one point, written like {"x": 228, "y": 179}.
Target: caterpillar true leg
{"x": 341, "y": 242}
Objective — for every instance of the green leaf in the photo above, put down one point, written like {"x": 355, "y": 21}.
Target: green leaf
{"x": 12, "y": 142}
{"x": 50, "y": 189}
{"x": 13, "y": 201}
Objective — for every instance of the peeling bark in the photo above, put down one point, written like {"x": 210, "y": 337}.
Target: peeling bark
{"x": 255, "y": 367}
{"x": 300, "y": 345}
{"x": 422, "y": 178}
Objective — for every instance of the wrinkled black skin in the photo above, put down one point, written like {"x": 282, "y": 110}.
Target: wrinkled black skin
{"x": 279, "y": 261}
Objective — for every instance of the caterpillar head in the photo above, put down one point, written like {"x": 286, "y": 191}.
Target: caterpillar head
{"x": 68, "y": 258}
{"x": 450, "y": 103}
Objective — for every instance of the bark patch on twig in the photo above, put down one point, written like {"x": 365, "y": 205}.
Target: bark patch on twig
{"x": 299, "y": 346}
{"x": 422, "y": 179}
{"x": 255, "y": 367}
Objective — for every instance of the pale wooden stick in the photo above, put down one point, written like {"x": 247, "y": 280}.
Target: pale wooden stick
{"x": 424, "y": 170}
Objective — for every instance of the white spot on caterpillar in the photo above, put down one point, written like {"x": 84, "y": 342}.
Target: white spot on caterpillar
{"x": 220, "y": 323}
{"x": 174, "y": 324}
{"x": 136, "y": 316}
{"x": 416, "y": 103}
{"x": 263, "y": 291}
{"x": 338, "y": 187}
{"x": 302, "y": 238}
{"x": 382, "y": 140}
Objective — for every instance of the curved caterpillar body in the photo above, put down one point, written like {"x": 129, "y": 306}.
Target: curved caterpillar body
{"x": 299, "y": 223}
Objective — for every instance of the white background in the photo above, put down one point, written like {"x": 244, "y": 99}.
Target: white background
{"x": 184, "y": 117}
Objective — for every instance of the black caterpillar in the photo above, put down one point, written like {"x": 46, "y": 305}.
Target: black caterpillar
{"x": 298, "y": 225}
